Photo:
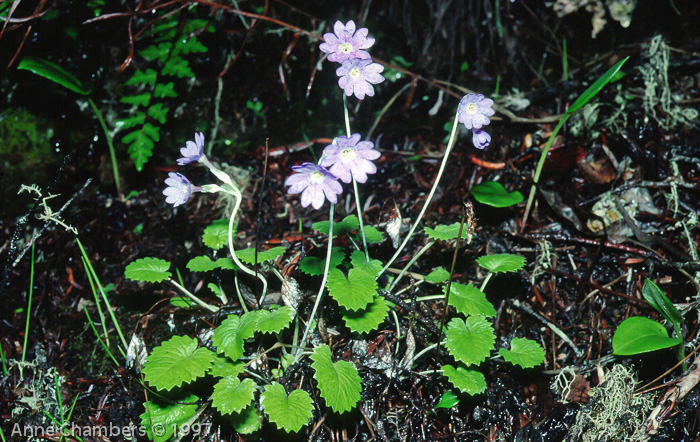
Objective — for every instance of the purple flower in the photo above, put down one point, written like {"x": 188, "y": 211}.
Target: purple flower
{"x": 315, "y": 183}
{"x": 194, "y": 150}
{"x": 346, "y": 44}
{"x": 350, "y": 158}
{"x": 179, "y": 189}
{"x": 481, "y": 139}
{"x": 474, "y": 111}
{"x": 356, "y": 76}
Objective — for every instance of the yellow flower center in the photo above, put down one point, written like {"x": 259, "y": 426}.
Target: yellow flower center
{"x": 355, "y": 72}
{"x": 472, "y": 108}
{"x": 346, "y": 47}
{"x": 316, "y": 177}
{"x": 348, "y": 155}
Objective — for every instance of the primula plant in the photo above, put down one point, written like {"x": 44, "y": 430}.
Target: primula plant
{"x": 359, "y": 286}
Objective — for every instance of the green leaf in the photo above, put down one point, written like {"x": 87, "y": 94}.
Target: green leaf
{"x": 314, "y": 266}
{"x": 176, "y": 361}
{"x": 53, "y": 72}
{"x": 154, "y": 52}
{"x": 164, "y": 418}
{"x": 339, "y": 382}
{"x": 138, "y": 100}
{"x": 467, "y": 381}
{"x": 190, "y": 45}
{"x": 131, "y": 121}
{"x": 437, "y": 276}
{"x": 178, "y": 67}
{"x": 445, "y": 232}
{"x": 232, "y": 333}
{"x": 641, "y": 335}
{"x": 657, "y": 299}
{"x": 141, "y": 77}
{"x": 449, "y": 399}
{"x": 494, "y": 194}
{"x": 368, "y": 318}
{"x": 504, "y": 262}
{"x": 216, "y": 290}
{"x": 248, "y": 255}
{"x": 223, "y": 367}
{"x": 372, "y": 235}
{"x": 201, "y": 264}
{"x": 181, "y": 302}
{"x": 469, "y": 300}
{"x": 232, "y": 396}
{"x": 593, "y": 89}
{"x": 287, "y": 412}
{"x": 226, "y": 264}
{"x": 216, "y": 234}
{"x": 358, "y": 260}
{"x": 165, "y": 90}
{"x": 148, "y": 270}
{"x": 274, "y": 321}
{"x": 158, "y": 112}
{"x": 245, "y": 422}
{"x": 347, "y": 225}
{"x": 470, "y": 341}
{"x": 353, "y": 292}
{"x": 523, "y": 352}
{"x": 141, "y": 144}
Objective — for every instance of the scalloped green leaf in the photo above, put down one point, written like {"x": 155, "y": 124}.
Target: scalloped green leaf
{"x": 494, "y": 194}
{"x": 223, "y": 367}
{"x": 287, "y": 412}
{"x": 445, "y": 232}
{"x": 226, "y": 264}
{"x": 138, "y": 100}
{"x": 347, "y": 225}
{"x": 248, "y": 255}
{"x": 176, "y": 361}
{"x": 215, "y": 235}
{"x": 358, "y": 260}
{"x": 641, "y": 335}
{"x": 164, "y": 417}
{"x": 593, "y": 89}
{"x": 140, "y": 77}
{"x": 467, "y": 381}
{"x": 148, "y": 270}
{"x": 216, "y": 290}
{"x": 367, "y": 319}
{"x": 53, "y": 72}
{"x": 131, "y": 121}
{"x": 437, "y": 276}
{"x": 314, "y": 266}
{"x": 470, "y": 341}
{"x": 232, "y": 333}
{"x": 164, "y": 90}
{"x": 232, "y": 395}
{"x": 355, "y": 291}
{"x": 201, "y": 264}
{"x": 372, "y": 235}
{"x": 500, "y": 263}
{"x": 469, "y": 300}
{"x": 158, "y": 112}
{"x": 339, "y": 382}
{"x": 245, "y": 422}
{"x": 448, "y": 400}
{"x": 523, "y": 352}
{"x": 274, "y": 321}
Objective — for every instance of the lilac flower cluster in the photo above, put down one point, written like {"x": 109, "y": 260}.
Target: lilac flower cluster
{"x": 474, "y": 111}
{"x": 346, "y": 159}
{"x": 179, "y": 187}
{"x": 357, "y": 72}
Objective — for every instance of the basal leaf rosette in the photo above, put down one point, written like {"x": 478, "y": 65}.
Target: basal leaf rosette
{"x": 148, "y": 270}
{"x": 161, "y": 419}
{"x": 339, "y": 382}
{"x": 289, "y": 412}
{"x": 500, "y": 263}
{"x": 467, "y": 381}
{"x": 469, "y": 300}
{"x": 232, "y": 395}
{"x": 176, "y": 361}
{"x": 233, "y": 332}
{"x": 356, "y": 290}
{"x": 523, "y": 352}
{"x": 223, "y": 367}
{"x": 470, "y": 341}
{"x": 369, "y": 318}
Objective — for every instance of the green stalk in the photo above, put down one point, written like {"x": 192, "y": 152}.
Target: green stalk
{"x": 565, "y": 60}
{"x": 409, "y": 264}
{"x": 94, "y": 290}
{"x": 29, "y": 306}
{"x": 4, "y": 364}
{"x": 450, "y": 145}
{"x": 323, "y": 285}
{"x": 92, "y": 325}
{"x": 193, "y": 298}
{"x": 112, "y": 155}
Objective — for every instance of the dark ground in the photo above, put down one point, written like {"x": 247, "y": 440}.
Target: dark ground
{"x": 587, "y": 285}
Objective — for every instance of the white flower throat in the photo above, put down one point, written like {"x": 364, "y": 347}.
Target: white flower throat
{"x": 346, "y": 47}
{"x": 355, "y": 72}
{"x": 348, "y": 155}
{"x": 472, "y": 108}
{"x": 316, "y": 177}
